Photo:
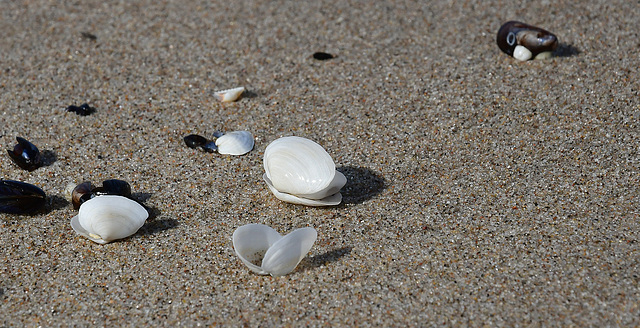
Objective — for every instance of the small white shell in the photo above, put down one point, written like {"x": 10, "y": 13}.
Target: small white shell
{"x": 229, "y": 95}
{"x": 544, "y": 55}
{"x": 235, "y": 143}
{"x": 106, "y": 218}
{"x": 300, "y": 171}
{"x": 278, "y": 255}
{"x": 521, "y": 53}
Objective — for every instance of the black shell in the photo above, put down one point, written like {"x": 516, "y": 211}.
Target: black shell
{"x": 20, "y": 198}
{"x": 322, "y": 55}
{"x": 25, "y": 154}
{"x": 199, "y": 142}
{"x": 82, "y": 110}
{"x": 537, "y": 40}
{"x": 114, "y": 187}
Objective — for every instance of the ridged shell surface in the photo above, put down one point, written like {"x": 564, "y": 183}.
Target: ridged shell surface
{"x": 235, "y": 143}
{"x": 298, "y": 166}
{"x": 229, "y": 95}
{"x": 106, "y": 218}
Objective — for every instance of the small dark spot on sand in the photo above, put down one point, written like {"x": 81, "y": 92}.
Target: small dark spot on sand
{"x": 322, "y": 56}
{"x": 82, "y": 110}
{"x": 89, "y": 36}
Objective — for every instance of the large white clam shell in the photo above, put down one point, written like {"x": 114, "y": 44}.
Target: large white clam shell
{"x": 235, "y": 143}
{"x": 300, "y": 171}
{"x": 278, "y": 255}
{"x": 229, "y": 95}
{"x": 106, "y": 218}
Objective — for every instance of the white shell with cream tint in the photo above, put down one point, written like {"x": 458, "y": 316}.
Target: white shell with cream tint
{"x": 265, "y": 251}
{"x": 521, "y": 53}
{"x": 235, "y": 143}
{"x": 106, "y": 218}
{"x": 300, "y": 171}
{"x": 229, "y": 95}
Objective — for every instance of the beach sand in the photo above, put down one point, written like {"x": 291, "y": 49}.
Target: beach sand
{"x": 481, "y": 190}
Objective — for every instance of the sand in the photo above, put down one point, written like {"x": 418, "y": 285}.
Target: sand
{"x": 481, "y": 191}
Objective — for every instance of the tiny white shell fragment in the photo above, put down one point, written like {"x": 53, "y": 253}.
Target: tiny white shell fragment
{"x": 521, "y": 53}
{"x": 278, "y": 255}
{"x": 300, "y": 171}
{"x": 106, "y": 218}
{"x": 235, "y": 143}
{"x": 544, "y": 55}
{"x": 229, "y": 95}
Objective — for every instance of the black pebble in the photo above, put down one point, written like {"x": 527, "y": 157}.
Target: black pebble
{"x": 322, "y": 56}
{"x": 83, "y": 110}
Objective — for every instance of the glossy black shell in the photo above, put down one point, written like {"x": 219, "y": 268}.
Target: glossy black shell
{"x": 20, "y": 198}
{"x": 322, "y": 56}
{"x": 199, "y": 142}
{"x": 114, "y": 187}
{"x": 85, "y": 191}
{"x": 25, "y": 154}
{"x": 514, "y": 33}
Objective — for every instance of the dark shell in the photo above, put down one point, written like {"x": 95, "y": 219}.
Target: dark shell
{"x": 81, "y": 193}
{"x": 210, "y": 147}
{"x": 26, "y": 155}
{"x": 195, "y": 141}
{"x": 84, "y": 191}
{"x": 89, "y": 36}
{"x": 114, "y": 187}
{"x": 199, "y": 142}
{"x": 82, "y": 110}
{"x": 20, "y": 198}
{"x": 322, "y": 56}
{"x": 537, "y": 40}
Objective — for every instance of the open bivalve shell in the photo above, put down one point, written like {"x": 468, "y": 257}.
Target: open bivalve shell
{"x": 107, "y": 218}
{"x": 300, "y": 171}
{"x": 265, "y": 251}
{"x": 235, "y": 143}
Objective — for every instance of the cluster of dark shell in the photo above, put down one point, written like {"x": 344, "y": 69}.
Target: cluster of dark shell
{"x": 86, "y": 191}
{"x": 22, "y": 198}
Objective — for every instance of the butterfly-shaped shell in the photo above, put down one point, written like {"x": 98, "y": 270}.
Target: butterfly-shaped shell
{"x": 106, "y": 218}
{"x": 235, "y": 143}
{"x": 300, "y": 171}
{"x": 277, "y": 255}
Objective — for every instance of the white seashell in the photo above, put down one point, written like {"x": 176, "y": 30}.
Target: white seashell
{"x": 544, "y": 55}
{"x": 235, "y": 143}
{"x": 277, "y": 255}
{"x": 299, "y": 171}
{"x": 229, "y": 95}
{"x": 106, "y": 218}
{"x": 521, "y": 53}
